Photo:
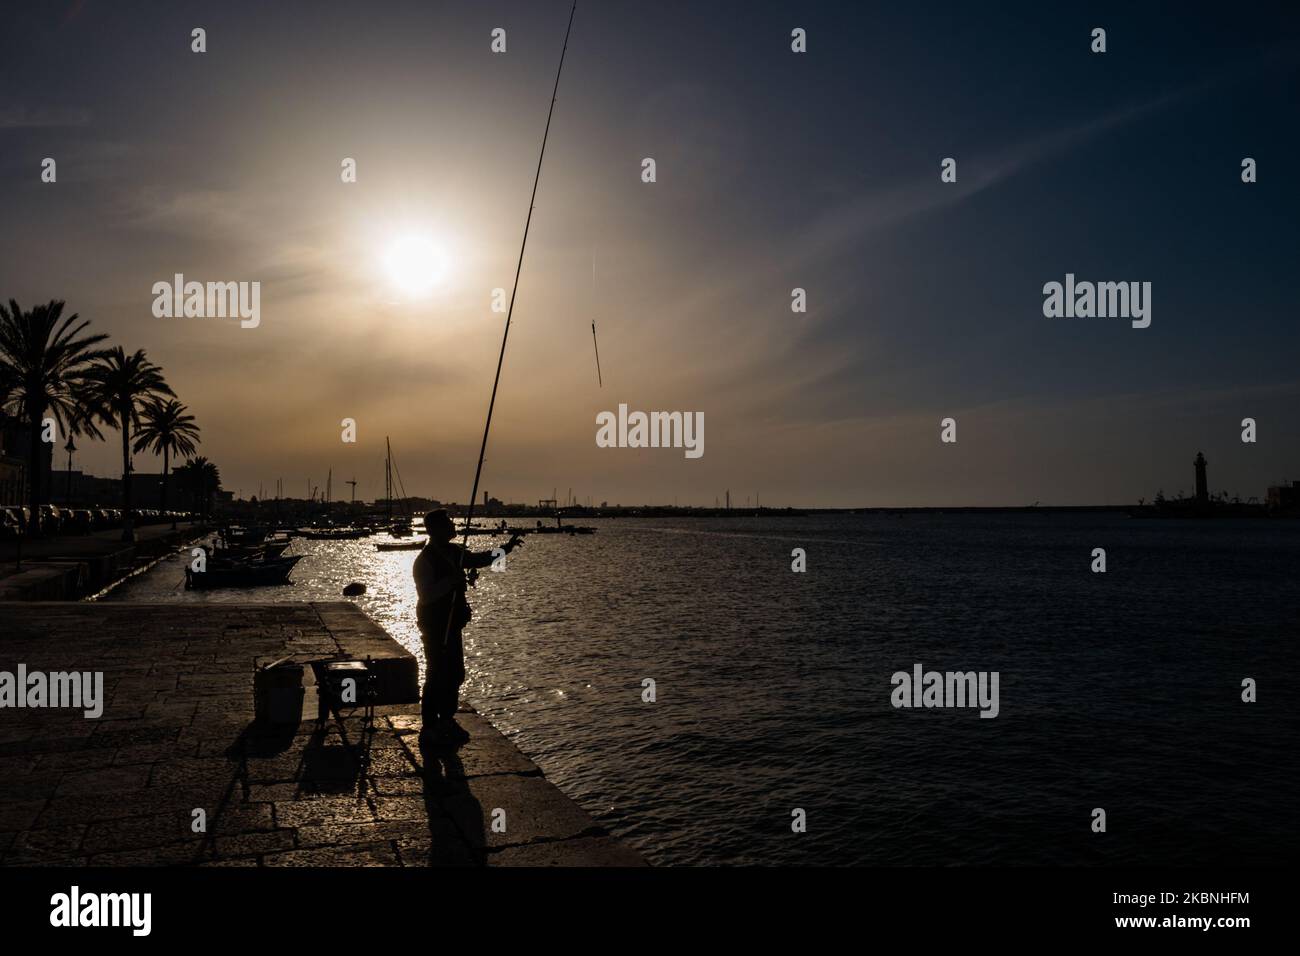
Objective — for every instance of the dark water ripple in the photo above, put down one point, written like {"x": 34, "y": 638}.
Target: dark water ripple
{"x": 1118, "y": 690}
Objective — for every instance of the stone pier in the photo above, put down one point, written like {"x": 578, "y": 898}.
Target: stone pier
{"x": 177, "y": 736}
{"x": 69, "y": 567}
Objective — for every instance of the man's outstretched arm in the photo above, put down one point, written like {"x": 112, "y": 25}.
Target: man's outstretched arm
{"x": 483, "y": 559}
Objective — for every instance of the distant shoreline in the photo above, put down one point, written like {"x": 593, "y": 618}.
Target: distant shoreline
{"x": 660, "y": 511}
{"x": 286, "y": 510}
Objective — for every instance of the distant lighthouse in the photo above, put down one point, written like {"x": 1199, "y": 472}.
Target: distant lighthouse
{"x": 1202, "y": 487}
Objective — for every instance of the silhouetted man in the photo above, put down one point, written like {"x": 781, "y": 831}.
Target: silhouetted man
{"x": 441, "y": 584}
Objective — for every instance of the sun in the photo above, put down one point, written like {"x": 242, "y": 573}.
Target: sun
{"x": 415, "y": 264}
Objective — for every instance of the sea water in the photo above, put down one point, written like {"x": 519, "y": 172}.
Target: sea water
{"x": 1118, "y": 690}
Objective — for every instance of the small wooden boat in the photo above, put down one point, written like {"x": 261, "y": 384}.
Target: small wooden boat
{"x": 401, "y": 545}
{"x": 241, "y": 574}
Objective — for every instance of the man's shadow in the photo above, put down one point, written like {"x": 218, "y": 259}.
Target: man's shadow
{"x": 455, "y": 815}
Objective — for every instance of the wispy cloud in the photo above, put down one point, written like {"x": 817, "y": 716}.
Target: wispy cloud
{"x": 210, "y": 215}
{"x": 22, "y": 117}
{"x": 880, "y": 210}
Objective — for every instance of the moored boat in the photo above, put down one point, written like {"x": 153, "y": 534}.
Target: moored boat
{"x": 241, "y": 574}
{"x": 401, "y": 545}
{"x": 335, "y": 534}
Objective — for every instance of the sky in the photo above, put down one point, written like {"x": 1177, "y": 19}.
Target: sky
{"x": 775, "y": 170}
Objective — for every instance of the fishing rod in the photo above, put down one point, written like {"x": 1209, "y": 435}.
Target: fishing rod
{"x": 487, "y": 425}
{"x": 599, "y": 381}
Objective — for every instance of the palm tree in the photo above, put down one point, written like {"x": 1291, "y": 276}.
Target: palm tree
{"x": 167, "y": 429}
{"x": 201, "y": 478}
{"x": 45, "y": 364}
{"x": 121, "y": 387}
{"x": 187, "y": 480}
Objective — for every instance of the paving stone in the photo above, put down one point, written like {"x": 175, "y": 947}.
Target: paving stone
{"x": 488, "y": 751}
{"x": 391, "y": 762}
{"x": 274, "y": 792}
{"x": 246, "y": 844}
{"x": 340, "y": 834}
{"x": 323, "y": 810}
{"x": 152, "y": 753}
{"x": 32, "y": 786}
{"x": 240, "y": 818}
{"x": 106, "y": 780}
{"x": 127, "y": 736}
{"x": 531, "y": 811}
{"x": 17, "y": 765}
{"x": 89, "y": 808}
{"x": 275, "y": 769}
{"x": 363, "y": 854}
{"x": 70, "y": 861}
{"x": 76, "y": 760}
{"x": 247, "y": 861}
{"x": 442, "y": 845}
{"x": 133, "y": 833}
{"x": 582, "y": 851}
{"x": 397, "y": 786}
{"x": 402, "y": 808}
{"x": 212, "y": 774}
{"x": 174, "y": 854}
{"x": 52, "y": 843}
{"x": 19, "y": 815}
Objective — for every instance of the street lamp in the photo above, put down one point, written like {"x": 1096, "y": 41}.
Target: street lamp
{"x": 71, "y": 446}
